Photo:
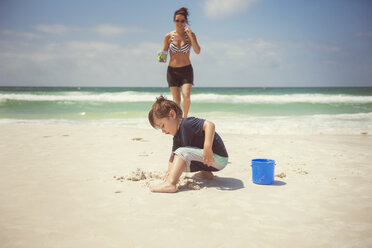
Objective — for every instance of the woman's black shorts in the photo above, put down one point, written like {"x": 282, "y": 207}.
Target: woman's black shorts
{"x": 177, "y": 76}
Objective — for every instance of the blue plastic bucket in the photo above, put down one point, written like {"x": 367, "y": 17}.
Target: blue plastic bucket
{"x": 263, "y": 171}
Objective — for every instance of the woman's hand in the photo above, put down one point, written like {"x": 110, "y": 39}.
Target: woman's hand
{"x": 188, "y": 31}
{"x": 208, "y": 158}
{"x": 194, "y": 42}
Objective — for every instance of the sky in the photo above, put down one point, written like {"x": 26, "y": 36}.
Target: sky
{"x": 244, "y": 43}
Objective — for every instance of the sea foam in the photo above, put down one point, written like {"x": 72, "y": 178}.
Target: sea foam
{"x": 207, "y": 98}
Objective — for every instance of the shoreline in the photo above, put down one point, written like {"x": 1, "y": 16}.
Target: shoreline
{"x": 224, "y": 126}
{"x": 61, "y": 189}
{"x": 201, "y": 87}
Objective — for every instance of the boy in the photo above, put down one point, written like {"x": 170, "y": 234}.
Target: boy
{"x": 196, "y": 146}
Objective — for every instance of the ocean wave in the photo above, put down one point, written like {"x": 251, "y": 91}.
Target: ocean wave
{"x": 339, "y": 124}
{"x": 83, "y": 97}
{"x": 283, "y": 99}
{"x": 129, "y": 96}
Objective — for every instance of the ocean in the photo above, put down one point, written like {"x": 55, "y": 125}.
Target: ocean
{"x": 336, "y": 111}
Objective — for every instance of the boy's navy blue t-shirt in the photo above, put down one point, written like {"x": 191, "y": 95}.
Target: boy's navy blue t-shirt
{"x": 191, "y": 134}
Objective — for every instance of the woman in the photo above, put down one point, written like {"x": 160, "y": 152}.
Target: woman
{"x": 180, "y": 73}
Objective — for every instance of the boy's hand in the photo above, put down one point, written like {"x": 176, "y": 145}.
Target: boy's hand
{"x": 208, "y": 158}
{"x": 165, "y": 176}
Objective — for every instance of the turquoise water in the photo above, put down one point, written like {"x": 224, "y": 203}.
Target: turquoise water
{"x": 260, "y": 110}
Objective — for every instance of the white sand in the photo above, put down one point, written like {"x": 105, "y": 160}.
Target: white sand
{"x": 66, "y": 186}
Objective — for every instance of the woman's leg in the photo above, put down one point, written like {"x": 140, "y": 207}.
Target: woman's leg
{"x": 176, "y": 94}
{"x": 170, "y": 185}
{"x": 186, "y": 95}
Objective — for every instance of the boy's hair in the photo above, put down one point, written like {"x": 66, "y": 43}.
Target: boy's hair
{"x": 161, "y": 108}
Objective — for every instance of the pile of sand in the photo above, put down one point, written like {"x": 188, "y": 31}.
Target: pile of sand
{"x": 155, "y": 177}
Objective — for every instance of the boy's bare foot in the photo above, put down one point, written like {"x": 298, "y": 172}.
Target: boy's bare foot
{"x": 204, "y": 175}
{"x": 164, "y": 187}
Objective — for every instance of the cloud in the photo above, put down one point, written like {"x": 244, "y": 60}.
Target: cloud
{"x": 102, "y": 30}
{"x": 108, "y": 30}
{"x": 111, "y": 30}
{"x": 90, "y": 63}
{"x": 26, "y": 35}
{"x": 367, "y": 35}
{"x": 322, "y": 47}
{"x": 215, "y": 9}
{"x": 238, "y": 62}
{"x": 78, "y": 63}
{"x": 250, "y": 52}
{"x": 53, "y": 29}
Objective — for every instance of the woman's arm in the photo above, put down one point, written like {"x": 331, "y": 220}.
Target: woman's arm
{"x": 193, "y": 40}
{"x": 166, "y": 42}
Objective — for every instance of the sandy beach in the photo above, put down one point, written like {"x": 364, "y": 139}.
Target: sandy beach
{"x": 68, "y": 186}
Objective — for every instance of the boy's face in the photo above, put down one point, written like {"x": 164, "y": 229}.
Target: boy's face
{"x": 168, "y": 125}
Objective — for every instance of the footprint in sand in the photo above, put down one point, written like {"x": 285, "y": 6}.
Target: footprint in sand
{"x": 149, "y": 177}
{"x": 281, "y": 175}
{"x": 299, "y": 171}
